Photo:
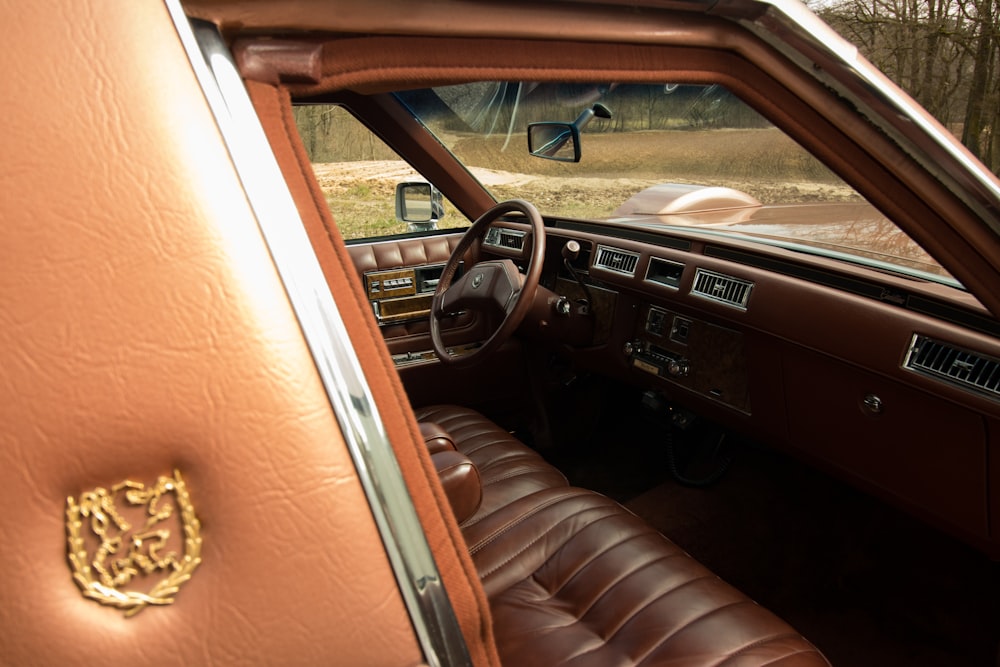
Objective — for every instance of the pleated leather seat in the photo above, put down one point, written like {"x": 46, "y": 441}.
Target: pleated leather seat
{"x": 509, "y": 469}
{"x": 575, "y": 579}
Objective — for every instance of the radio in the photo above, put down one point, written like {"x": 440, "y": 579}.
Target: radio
{"x": 690, "y": 354}
{"x": 656, "y": 360}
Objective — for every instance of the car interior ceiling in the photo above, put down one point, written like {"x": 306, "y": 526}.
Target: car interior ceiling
{"x": 861, "y": 579}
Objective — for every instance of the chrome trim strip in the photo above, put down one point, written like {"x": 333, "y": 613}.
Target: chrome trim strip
{"x": 420, "y": 583}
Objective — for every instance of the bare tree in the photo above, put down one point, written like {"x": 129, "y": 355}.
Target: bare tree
{"x": 982, "y": 115}
{"x": 943, "y": 52}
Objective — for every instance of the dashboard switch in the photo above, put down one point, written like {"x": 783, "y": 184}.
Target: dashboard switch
{"x": 680, "y": 329}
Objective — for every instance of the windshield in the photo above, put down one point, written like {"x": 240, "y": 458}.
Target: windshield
{"x": 669, "y": 156}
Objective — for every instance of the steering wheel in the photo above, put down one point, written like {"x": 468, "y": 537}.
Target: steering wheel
{"x": 488, "y": 285}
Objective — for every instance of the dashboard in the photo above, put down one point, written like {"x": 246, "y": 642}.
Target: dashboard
{"x": 888, "y": 382}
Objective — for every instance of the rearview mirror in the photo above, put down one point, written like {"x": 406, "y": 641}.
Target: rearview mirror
{"x": 420, "y": 205}
{"x": 561, "y": 141}
{"x": 554, "y": 141}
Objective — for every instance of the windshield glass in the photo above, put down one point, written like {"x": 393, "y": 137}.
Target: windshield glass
{"x": 669, "y": 156}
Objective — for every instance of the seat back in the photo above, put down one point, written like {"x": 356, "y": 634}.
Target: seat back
{"x": 177, "y": 489}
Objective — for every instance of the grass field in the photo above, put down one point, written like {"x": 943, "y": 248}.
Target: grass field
{"x": 763, "y": 163}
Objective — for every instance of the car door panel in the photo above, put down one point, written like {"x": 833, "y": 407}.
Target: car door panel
{"x": 403, "y": 311}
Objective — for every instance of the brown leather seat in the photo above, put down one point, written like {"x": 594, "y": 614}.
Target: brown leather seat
{"x": 574, "y": 578}
{"x": 509, "y": 470}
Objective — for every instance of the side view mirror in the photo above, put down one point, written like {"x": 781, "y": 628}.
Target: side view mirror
{"x": 420, "y": 205}
{"x": 561, "y": 141}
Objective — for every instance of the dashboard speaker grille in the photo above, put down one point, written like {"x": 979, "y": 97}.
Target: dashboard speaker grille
{"x": 964, "y": 368}
{"x": 615, "y": 259}
{"x": 721, "y": 288}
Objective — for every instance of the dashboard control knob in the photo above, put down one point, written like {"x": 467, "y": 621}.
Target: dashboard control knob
{"x": 571, "y": 250}
{"x": 679, "y": 368}
{"x": 564, "y": 307}
{"x": 628, "y": 349}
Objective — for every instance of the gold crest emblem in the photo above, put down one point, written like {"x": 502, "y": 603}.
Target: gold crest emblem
{"x": 133, "y": 545}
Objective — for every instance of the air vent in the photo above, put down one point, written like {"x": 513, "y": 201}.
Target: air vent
{"x": 617, "y": 260}
{"x": 724, "y": 289}
{"x": 500, "y": 237}
{"x": 970, "y": 370}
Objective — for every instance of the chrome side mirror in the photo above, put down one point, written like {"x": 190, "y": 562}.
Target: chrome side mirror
{"x": 420, "y": 205}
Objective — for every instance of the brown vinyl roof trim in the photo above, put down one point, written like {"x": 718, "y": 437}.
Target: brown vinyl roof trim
{"x": 588, "y": 20}
{"x": 370, "y": 65}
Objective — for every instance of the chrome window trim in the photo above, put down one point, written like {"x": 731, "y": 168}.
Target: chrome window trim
{"x": 409, "y": 553}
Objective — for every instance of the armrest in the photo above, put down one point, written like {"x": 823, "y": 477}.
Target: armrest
{"x": 461, "y": 482}
{"x": 436, "y": 438}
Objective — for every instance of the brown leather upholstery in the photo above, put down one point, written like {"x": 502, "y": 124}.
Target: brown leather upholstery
{"x": 145, "y": 329}
{"x": 461, "y": 482}
{"x": 436, "y": 438}
{"x": 532, "y": 501}
{"x": 574, "y": 578}
{"x": 509, "y": 469}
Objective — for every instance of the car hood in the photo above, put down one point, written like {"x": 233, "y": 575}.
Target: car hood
{"x": 854, "y": 228}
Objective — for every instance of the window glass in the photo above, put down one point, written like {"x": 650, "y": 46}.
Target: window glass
{"x": 358, "y": 174}
{"x": 649, "y": 156}
{"x": 691, "y": 156}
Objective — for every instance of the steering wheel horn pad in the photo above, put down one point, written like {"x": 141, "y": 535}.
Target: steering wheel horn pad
{"x": 498, "y": 282}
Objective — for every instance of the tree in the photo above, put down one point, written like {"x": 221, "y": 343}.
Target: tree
{"x": 982, "y": 114}
{"x": 943, "y": 52}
